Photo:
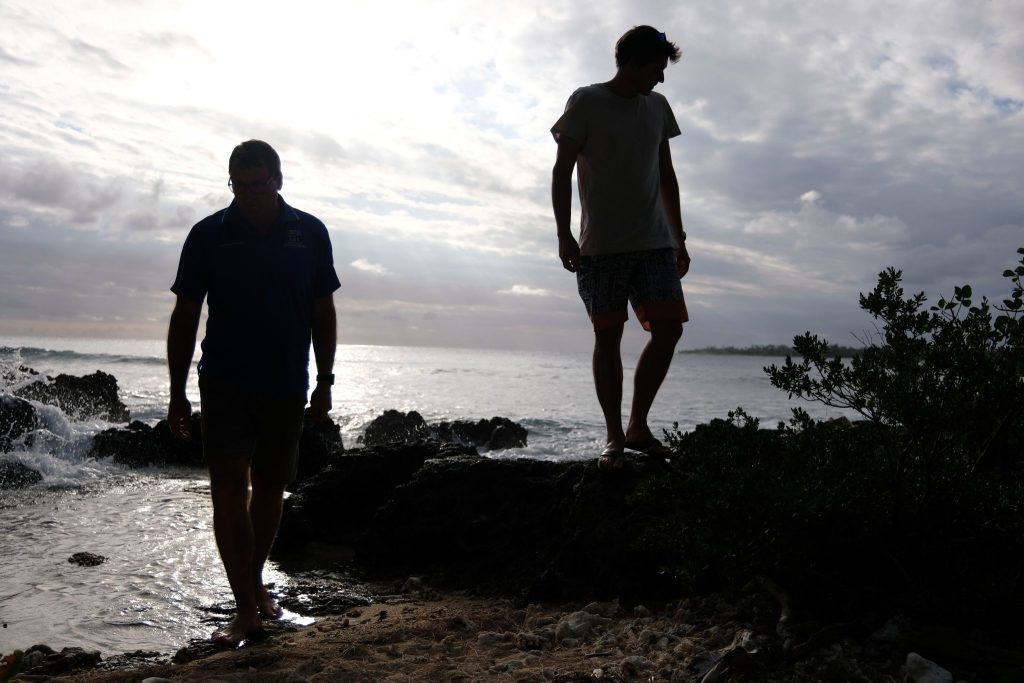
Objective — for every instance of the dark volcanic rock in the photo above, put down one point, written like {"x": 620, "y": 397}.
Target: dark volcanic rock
{"x": 139, "y": 445}
{"x": 336, "y": 505}
{"x": 43, "y": 661}
{"x": 457, "y": 517}
{"x": 14, "y": 475}
{"x": 394, "y": 427}
{"x": 17, "y": 417}
{"x": 319, "y": 444}
{"x": 321, "y": 592}
{"x": 80, "y": 398}
{"x": 87, "y": 559}
{"x": 496, "y": 433}
{"x": 549, "y": 530}
{"x": 542, "y": 529}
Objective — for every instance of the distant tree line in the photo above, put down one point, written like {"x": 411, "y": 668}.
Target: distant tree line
{"x": 770, "y": 350}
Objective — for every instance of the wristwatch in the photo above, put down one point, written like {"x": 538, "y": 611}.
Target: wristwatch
{"x": 325, "y": 379}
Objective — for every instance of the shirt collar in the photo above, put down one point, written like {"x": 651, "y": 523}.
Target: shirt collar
{"x": 286, "y": 215}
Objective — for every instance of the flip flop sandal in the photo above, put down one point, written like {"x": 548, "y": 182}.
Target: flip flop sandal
{"x": 651, "y": 447}
{"x": 611, "y": 459}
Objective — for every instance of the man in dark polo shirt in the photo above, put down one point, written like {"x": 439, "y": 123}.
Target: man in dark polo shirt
{"x": 267, "y": 273}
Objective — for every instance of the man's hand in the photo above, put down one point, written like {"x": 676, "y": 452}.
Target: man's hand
{"x": 682, "y": 260}
{"x": 320, "y": 402}
{"x": 569, "y": 252}
{"x": 561, "y": 201}
{"x": 179, "y": 418}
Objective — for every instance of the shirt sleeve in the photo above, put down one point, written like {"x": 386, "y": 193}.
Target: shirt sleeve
{"x": 325, "y": 279}
{"x": 671, "y": 125}
{"x": 573, "y": 122}
{"x": 192, "y": 281}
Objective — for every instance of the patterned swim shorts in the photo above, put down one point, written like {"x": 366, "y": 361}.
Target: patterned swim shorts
{"x": 649, "y": 280}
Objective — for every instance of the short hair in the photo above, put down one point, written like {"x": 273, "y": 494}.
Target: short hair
{"x": 256, "y": 153}
{"x": 642, "y": 45}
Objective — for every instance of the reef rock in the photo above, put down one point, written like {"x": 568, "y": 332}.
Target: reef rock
{"x": 40, "y": 662}
{"x": 336, "y": 505}
{"x": 394, "y": 427}
{"x": 139, "y": 445}
{"x": 87, "y": 559}
{"x": 491, "y": 435}
{"x": 320, "y": 444}
{"x": 80, "y": 398}
{"x": 14, "y": 475}
{"x": 546, "y": 530}
{"x": 17, "y": 417}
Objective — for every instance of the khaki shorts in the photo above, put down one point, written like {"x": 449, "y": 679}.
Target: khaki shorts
{"x": 262, "y": 429}
{"x": 649, "y": 280}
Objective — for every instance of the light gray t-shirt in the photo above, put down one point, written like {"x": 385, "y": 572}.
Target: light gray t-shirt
{"x": 617, "y": 168}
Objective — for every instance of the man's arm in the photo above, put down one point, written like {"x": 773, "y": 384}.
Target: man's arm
{"x": 181, "y": 345}
{"x": 561, "y": 201}
{"x": 670, "y": 200}
{"x": 325, "y": 341}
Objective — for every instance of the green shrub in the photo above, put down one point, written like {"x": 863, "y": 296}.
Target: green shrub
{"x": 950, "y": 377}
{"x": 796, "y": 505}
{"x": 919, "y": 506}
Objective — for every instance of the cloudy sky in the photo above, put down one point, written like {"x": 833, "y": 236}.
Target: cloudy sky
{"x": 821, "y": 142}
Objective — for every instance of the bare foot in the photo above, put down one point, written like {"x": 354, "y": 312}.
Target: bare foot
{"x": 268, "y": 607}
{"x": 238, "y": 630}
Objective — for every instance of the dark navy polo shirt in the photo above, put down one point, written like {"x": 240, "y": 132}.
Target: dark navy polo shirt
{"x": 260, "y": 291}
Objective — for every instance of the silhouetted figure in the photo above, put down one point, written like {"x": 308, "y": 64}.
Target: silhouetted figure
{"x": 268, "y": 275}
{"x": 632, "y": 246}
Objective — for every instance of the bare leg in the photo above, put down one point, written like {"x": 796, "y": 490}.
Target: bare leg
{"x": 233, "y": 529}
{"x": 651, "y": 369}
{"x": 607, "y": 366}
{"x": 265, "y": 514}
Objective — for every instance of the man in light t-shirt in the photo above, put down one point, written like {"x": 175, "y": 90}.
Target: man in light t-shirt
{"x": 632, "y": 246}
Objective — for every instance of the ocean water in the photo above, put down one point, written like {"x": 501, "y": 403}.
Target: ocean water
{"x": 162, "y": 572}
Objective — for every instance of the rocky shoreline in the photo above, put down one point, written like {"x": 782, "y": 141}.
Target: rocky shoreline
{"x": 478, "y": 568}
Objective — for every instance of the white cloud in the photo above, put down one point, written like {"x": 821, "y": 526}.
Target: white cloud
{"x": 812, "y": 224}
{"x": 524, "y": 290}
{"x": 367, "y": 267}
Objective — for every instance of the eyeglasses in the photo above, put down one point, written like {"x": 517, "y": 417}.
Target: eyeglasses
{"x": 256, "y": 186}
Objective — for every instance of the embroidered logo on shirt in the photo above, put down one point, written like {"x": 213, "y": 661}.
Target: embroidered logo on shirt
{"x": 294, "y": 239}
